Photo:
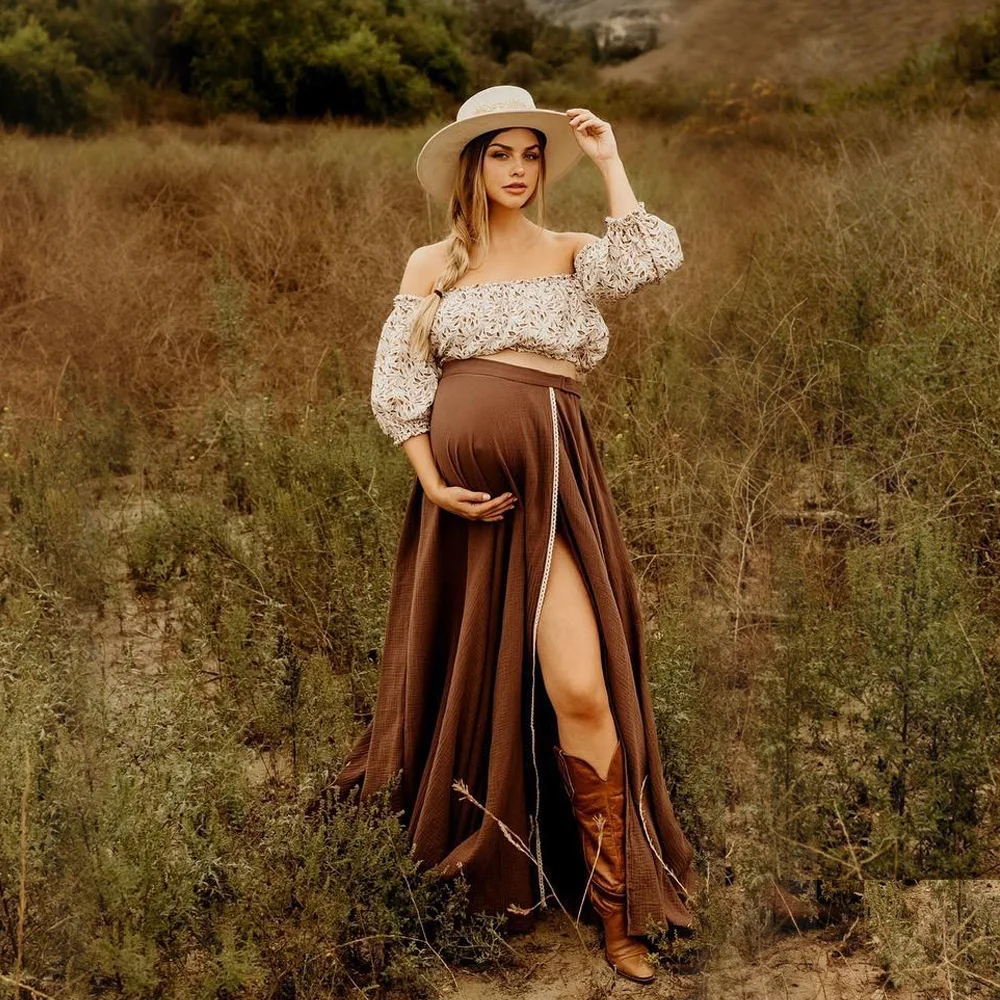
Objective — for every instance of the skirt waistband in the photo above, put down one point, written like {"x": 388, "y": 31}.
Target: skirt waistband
{"x": 516, "y": 373}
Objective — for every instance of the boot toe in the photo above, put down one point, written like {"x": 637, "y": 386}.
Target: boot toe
{"x": 633, "y": 965}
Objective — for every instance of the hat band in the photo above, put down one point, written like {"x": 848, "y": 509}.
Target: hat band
{"x": 502, "y": 106}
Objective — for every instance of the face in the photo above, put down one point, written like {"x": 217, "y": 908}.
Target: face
{"x": 513, "y": 157}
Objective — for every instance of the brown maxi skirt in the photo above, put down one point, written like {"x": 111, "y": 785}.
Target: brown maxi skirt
{"x": 460, "y": 692}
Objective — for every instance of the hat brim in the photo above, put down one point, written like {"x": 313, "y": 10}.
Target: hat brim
{"x": 437, "y": 161}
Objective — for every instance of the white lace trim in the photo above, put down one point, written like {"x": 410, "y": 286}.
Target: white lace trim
{"x": 554, "y": 315}
{"x": 534, "y": 635}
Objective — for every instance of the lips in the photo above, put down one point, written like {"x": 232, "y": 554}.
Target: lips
{"x": 515, "y": 187}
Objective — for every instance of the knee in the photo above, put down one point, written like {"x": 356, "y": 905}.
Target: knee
{"x": 583, "y": 699}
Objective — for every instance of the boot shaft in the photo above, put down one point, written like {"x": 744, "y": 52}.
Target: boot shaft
{"x": 599, "y": 807}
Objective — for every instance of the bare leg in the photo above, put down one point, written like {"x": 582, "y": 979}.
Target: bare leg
{"x": 569, "y": 653}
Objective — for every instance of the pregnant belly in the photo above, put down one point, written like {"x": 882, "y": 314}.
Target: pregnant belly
{"x": 483, "y": 430}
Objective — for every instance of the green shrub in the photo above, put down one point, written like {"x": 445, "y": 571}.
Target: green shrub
{"x": 691, "y": 747}
{"x": 42, "y": 86}
{"x": 56, "y": 544}
{"x": 378, "y": 64}
{"x": 935, "y": 75}
{"x": 157, "y": 860}
{"x": 880, "y": 729}
{"x": 973, "y": 49}
{"x": 943, "y": 933}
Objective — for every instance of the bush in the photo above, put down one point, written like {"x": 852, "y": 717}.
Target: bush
{"x": 370, "y": 79}
{"x": 973, "y": 50}
{"x": 42, "y": 86}
{"x": 942, "y": 933}
{"x": 880, "y": 728}
{"x": 937, "y": 75}
{"x": 309, "y": 58}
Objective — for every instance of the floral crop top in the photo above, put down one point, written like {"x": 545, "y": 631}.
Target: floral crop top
{"x": 553, "y": 314}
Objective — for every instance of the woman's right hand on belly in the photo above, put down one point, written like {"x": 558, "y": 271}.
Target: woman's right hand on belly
{"x": 470, "y": 503}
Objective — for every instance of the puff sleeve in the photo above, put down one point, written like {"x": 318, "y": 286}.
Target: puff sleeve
{"x": 636, "y": 248}
{"x": 403, "y": 386}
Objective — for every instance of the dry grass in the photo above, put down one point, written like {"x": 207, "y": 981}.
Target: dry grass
{"x": 113, "y": 250}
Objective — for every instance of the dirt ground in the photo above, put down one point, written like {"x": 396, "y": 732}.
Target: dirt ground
{"x": 555, "y": 965}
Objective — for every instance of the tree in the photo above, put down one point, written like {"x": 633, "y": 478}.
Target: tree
{"x": 378, "y": 60}
{"x": 42, "y": 86}
{"x": 365, "y": 76}
{"x": 500, "y": 27}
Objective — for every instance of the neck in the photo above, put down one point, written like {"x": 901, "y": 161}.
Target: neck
{"x": 509, "y": 226}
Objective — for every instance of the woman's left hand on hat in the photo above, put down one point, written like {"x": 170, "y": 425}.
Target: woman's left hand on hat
{"x": 593, "y": 135}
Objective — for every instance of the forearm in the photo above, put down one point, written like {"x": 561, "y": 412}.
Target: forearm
{"x": 621, "y": 198}
{"x": 418, "y": 451}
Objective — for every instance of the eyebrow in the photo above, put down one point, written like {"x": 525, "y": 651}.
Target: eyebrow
{"x": 534, "y": 145}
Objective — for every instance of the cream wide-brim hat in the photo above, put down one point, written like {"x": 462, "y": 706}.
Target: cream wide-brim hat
{"x": 495, "y": 108}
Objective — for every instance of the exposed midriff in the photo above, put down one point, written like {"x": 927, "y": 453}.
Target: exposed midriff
{"x": 529, "y": 359}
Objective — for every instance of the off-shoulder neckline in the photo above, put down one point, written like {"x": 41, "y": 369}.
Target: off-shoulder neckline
{"x": 557, "y": 275}
{"x": 609, "y": 220}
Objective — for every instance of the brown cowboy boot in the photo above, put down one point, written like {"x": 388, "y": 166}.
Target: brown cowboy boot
{"x": 593, "y": 797}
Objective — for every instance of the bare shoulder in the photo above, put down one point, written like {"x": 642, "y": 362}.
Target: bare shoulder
{"x": 574, "y": 242}
{"x": 422, "y": 269}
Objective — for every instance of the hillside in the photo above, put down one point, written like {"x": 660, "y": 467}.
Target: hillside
{"x": 792, "y": 40}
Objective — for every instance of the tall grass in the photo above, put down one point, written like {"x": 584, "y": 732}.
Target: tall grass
{"x": 798, "y": 427}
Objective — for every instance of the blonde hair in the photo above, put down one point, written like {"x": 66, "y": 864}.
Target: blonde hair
{"x": 468, "y": 212}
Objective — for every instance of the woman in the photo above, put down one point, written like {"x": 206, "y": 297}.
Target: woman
{"x": 511, "y": 560}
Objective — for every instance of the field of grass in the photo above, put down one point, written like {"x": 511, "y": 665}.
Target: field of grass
{"x": 198, "y": 517}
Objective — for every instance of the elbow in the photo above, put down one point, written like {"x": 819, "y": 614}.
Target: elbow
{"x": 386, "y": 424}
{"x": 669, "y": 266}
{"x": 406, "y": 434}
{"x": 399, "y": 431}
